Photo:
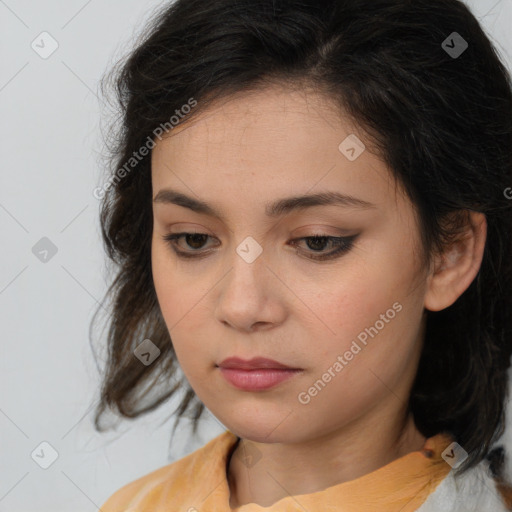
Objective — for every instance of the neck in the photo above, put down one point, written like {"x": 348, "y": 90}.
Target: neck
{"x": 316, "y": 464}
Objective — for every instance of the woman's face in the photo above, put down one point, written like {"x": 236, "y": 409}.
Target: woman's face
{"x": 249, "y": 286}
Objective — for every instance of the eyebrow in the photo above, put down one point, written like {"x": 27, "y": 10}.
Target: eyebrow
{"x": 274, "y": 209}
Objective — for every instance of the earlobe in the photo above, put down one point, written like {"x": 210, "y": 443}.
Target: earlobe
{"x": 457, "y": 267}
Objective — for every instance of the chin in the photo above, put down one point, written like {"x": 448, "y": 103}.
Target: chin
{"x": 261, "y": 429}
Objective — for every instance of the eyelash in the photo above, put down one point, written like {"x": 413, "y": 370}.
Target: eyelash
{"x": 342, "y": 244}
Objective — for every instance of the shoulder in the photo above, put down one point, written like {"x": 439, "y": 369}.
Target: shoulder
{"x": 505, "y": 490}
{"x": 473, "y": 491}
{"x": 155, "y": 488}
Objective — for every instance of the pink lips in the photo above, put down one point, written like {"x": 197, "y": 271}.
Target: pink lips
{"x": 255, "y": 374}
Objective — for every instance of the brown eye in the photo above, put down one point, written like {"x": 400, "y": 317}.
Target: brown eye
{"x": 316, "y": 244}
{"x": 195, "y": 241}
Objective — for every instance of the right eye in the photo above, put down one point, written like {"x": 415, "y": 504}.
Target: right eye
{"x": 193, "y": 240}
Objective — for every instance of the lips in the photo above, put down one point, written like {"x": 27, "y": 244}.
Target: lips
{"x": 257, "y": 374}
{"x": 254, "y": 364}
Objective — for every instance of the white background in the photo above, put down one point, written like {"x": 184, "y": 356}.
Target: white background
{"x": 51, "y": 147}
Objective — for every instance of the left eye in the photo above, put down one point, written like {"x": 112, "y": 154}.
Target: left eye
{"x": 315, "y": 243}
{"x": 341, "y": 245}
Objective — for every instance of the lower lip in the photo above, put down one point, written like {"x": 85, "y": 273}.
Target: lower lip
{"x": 257, "y": 380}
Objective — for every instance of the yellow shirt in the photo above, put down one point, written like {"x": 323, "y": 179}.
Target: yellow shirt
{"x": 198, "y": 483}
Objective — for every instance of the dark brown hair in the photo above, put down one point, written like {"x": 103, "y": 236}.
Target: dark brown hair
{"x": 442, "y": 123}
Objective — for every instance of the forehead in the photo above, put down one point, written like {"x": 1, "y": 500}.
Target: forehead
{"x": 268, "y": 143}
{"x": 275, "y": 117}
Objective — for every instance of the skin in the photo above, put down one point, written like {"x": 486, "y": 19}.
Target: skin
{"x": 238, "y": 155}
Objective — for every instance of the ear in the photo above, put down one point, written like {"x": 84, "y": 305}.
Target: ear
{"x": 456, "y": 268}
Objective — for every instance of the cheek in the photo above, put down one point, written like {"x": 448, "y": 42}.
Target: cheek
{"x": 177, "y": 290}
{"x": 164, "y": 280}
{"x": 347, "y": 304}
{"x": 374, "y": 305}
{"x": 173, "y": 295}
{"x": 182, "y": 301}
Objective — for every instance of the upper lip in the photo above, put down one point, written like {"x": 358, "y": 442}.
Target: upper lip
{"x": 254, "y": 363}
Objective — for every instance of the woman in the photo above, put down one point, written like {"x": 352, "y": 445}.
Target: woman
{"x": 308, "y": 209}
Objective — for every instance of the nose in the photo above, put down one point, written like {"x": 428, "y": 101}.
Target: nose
{"x": 250, "y": 296}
